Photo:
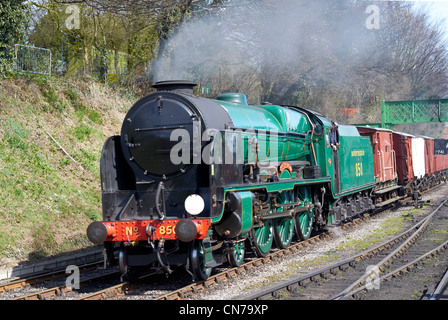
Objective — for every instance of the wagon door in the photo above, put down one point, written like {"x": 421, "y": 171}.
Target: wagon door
{"x": 334, "y": 140}
{"x": 401, "y": 157}
{"x": 429, "y": 156}
{"x": 409, "y": 159}
{"x": 386, "y": 156}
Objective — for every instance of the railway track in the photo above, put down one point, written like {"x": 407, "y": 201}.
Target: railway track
{"x": 441, "y": 291}
{"x": 190, "y": 292}
{"x": 38, "y": 279}
{"x": 128, "y": 290}
{"x": 113, "y": 290}
{"x": 63, "y": 291}
{"x": 54, "y": 284}
{"x": 358, "y": 276}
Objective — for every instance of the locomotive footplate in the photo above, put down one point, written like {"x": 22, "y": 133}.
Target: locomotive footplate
{"x": 382, "y": 191}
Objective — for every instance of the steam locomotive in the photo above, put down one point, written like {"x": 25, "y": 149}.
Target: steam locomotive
{"x": 199, "y": 182}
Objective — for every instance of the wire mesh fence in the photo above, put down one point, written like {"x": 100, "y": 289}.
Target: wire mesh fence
{"x": 31, "y": 59}
{"x": 109, "y": 66}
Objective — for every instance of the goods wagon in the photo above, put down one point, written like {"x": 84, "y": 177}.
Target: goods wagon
{"x": 440, "y": 159}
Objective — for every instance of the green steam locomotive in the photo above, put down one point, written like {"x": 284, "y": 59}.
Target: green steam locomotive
{"x": 200, "y": 182}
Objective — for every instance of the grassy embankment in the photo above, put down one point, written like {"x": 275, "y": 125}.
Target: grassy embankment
{"x": 50, "y": 189}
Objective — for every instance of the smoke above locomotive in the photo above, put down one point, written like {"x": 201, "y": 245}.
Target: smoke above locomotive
{"x": 306, "y": 36}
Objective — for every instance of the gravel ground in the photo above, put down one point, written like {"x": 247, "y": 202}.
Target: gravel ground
{"x": 321, "y": 254}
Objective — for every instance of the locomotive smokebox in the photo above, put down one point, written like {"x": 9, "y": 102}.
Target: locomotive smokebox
{"x": 148, "y": 130}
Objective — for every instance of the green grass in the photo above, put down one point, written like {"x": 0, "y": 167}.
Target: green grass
{"x": 46, "y": 199}
{"x": 387, "y": 228}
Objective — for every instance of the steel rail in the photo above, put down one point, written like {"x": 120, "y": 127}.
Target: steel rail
{"x": 20, "y": 283}
{"x": 227, "y": 274}
{"x": 407, "y": 267}
{"x": 59, "y": 290}
{"x": 332, "y": 269}
{"x": 340, "y": 265}
{"x": 194, "y": 288}
{"x": 117, "y": 290}
{"x": 111, "y": 292}
{"x": 441, "y": 287}
{"x": 370, "y": 276}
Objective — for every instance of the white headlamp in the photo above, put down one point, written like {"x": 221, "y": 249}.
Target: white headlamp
{"x": 194, "y": 204}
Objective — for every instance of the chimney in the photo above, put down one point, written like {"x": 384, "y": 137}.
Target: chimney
{"x": 180, "y": 86}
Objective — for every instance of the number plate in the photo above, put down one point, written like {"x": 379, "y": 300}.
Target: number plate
{"x": 164, "y": 229}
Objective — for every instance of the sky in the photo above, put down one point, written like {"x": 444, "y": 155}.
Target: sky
{"x": 438, "y": 11}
